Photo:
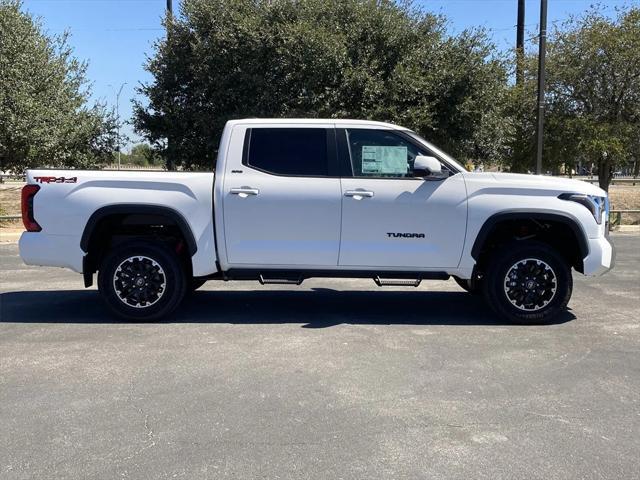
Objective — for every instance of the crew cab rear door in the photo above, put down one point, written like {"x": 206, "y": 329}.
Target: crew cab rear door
{"x": 281, "y": 203}
{"x": 391, "y": 218}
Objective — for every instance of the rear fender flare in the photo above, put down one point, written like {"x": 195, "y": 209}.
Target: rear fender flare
{"x": 133, "y": 209}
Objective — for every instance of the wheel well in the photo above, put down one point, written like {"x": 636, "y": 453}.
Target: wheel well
{"x": 561, "y": 233}
{"x": 111, "y": 226}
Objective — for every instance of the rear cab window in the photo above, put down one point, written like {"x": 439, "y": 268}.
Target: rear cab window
{"x": 288, "y": 151}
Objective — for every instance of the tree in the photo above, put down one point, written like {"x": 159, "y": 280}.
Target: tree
{"x": 594, "y": 90}
{"x": 381, "y": 60}
{"x": 45, "y": 119}
{"x": 141, "y": 155}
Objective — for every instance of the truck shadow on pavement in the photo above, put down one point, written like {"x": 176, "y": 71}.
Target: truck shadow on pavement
{"x": 315, "y": 308}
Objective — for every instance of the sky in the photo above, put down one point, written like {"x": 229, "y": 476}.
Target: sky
{"x": 116, "y": 36}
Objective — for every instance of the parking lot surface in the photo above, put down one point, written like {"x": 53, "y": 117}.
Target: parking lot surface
{"x": 337, "y": 379}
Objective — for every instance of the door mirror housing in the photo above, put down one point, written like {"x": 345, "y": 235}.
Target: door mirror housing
{"x": 425, "y": 166}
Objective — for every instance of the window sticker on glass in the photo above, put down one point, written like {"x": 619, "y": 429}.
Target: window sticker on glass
{"x": 384, "y": 160}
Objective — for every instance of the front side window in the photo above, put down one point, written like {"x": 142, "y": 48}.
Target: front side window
{"x": 381, "y": 153}
{"x": 288, "y": 151}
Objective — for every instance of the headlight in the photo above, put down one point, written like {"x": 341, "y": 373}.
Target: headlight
{"x": 596, "y": 205}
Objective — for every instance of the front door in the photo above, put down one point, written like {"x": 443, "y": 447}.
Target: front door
{"x": 281, "y": 207}
{"x": 391, "y": 218}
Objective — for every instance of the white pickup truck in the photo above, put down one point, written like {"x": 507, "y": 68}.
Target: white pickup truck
{"x": 293, "y": 199}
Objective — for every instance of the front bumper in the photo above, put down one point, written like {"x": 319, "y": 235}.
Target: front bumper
{"x": 38, "y": 248}
{"x": 601, "y": 257}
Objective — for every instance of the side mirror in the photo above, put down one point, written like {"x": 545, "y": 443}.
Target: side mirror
{"x": 426, "y": 166}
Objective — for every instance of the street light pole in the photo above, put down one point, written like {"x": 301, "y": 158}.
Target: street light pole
{"x": 542, "y": 48}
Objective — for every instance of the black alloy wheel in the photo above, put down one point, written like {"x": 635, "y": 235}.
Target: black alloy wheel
{"x": 142, "y": 280}
{"x": 527, "y": 282}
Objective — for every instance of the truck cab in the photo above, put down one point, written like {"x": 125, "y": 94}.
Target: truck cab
{"x": 342, "y": 195}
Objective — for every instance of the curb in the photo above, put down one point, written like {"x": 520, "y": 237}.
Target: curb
{"x": 9, "y": 237}
{"x": 627, "y": 229}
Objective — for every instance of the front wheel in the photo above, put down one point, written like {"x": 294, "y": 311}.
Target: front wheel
{"x": 528, "y": 282}
{"x": 142, "y": 280}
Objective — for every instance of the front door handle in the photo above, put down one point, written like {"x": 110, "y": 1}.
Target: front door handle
{"x": 244, "y": 192}
{"x": 359, "y": 194}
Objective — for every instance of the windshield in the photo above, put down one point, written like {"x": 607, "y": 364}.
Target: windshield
{"x": 436, "y": 150}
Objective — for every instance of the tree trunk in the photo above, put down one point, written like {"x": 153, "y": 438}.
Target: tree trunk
{"x": 170, "y": 155}
{"x": 605, "y": 174}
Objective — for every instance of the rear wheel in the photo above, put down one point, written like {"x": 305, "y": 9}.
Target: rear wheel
{"x": 528, "y": 283}
{"x": 142, "y": 281}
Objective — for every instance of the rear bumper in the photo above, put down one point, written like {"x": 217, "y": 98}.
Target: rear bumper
{"x": 601, "y": 257}
{"x": 38, "y": 248}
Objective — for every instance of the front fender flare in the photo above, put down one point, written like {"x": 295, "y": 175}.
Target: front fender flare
{"x": 495, "y": 219}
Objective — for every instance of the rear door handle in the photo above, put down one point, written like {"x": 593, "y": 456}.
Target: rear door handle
{"x": 244, "y": 191}
{"x": 359, "y": 194}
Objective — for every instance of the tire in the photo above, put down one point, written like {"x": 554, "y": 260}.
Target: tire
{"x": 528, "y": 283}
{"x": 156, "y": 298}
{"x": 469, "y": 285}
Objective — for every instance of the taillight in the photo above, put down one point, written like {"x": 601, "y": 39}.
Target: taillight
{"x": 28, "y": 192}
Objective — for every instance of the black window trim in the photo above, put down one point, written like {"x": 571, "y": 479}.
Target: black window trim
{"x": 345, "y": 156}
{"x": 333, "y": 166}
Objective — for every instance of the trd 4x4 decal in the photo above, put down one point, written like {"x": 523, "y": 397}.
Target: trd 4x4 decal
{"x": 56, "y": 179}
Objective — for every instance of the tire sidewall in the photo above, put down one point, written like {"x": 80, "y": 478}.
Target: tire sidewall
{"x": 174, "y": 277}
{"x": 502, "y": 262}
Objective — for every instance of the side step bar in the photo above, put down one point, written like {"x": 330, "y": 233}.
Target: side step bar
{"x": 268, "y": 276}
{"x": 280, "y": 281}
{"x": 396, "y": 282}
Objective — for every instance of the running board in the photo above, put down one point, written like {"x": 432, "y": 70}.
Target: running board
{"x": 295, "y": 277}
{"x": 280, "y": 281}
{"x": 396, "y": 282}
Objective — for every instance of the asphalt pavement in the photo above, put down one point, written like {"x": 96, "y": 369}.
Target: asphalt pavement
{"x": 335, "y": 379}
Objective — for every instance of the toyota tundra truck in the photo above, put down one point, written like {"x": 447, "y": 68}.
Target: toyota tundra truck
{"x": 293, "y": 199}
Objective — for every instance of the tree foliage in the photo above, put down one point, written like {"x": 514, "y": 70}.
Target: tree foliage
{"x": 378, "y": 60}
{"x": 45, "y": 119}
{"x": 141, "y": 155}
{"x": 594, "y": 87}
{"x": 593, "y": 96}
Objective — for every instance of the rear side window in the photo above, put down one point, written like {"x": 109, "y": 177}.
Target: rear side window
{"x": 288, "y": 151}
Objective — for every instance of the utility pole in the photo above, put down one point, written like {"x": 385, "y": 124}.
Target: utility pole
{"x": 542, "y": 48}
{"x": 118, "y": 119}
{"x": 520, "y": 44}
{"x": 169, "y": 20}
